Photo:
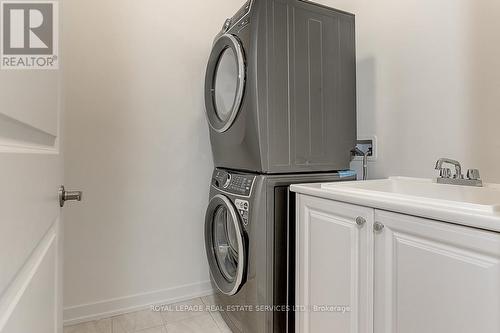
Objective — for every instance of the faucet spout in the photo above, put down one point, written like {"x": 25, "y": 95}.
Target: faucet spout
{"x": 456, "y": 164}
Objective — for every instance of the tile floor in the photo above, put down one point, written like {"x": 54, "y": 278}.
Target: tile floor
{"x": 149, "y": 321}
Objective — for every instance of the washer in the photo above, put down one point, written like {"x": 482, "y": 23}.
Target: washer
{"x": 248, "y": 224}
{"x": 280, "y": 88}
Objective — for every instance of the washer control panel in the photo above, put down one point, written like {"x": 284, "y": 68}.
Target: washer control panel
{"x": 243, "y": 208}
{"x": 233, "y": 183}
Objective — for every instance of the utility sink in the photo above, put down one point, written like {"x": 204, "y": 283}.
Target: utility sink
{"x": 423, "y": 192}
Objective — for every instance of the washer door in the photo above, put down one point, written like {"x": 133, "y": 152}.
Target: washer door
{"x": 224, "y": 82}
{"x": 225, "y": 245}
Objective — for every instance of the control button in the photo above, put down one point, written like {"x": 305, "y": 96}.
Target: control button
{"x": 227, "y": 25}
{"x": 242, "y": 205}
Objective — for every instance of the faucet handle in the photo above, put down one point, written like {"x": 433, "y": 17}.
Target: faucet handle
{"x": 473, "y": 174}
{"x": 445, "y": 173}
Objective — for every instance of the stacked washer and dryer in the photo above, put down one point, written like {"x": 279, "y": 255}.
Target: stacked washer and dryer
{"x": 280, "y": 97}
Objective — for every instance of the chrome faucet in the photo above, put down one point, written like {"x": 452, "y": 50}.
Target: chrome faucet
{"x": 458, "y": 168}
{"x": 445, "y": 177}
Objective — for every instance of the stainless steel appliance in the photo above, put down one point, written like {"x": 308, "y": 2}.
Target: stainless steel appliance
{"x": 280, "y": 88}
{"x": 249, "y": 238}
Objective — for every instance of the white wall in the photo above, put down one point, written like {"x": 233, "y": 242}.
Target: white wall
{"x": 428, "y": 83}
{"x": 137, "y": 144}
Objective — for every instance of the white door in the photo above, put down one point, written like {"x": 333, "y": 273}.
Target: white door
{"x": 435, "y": 277}
{"x": 334, "y": 267}
{"x": 30, "y": 175}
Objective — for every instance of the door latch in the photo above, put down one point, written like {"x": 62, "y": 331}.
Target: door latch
{"x": 68, "y": 196}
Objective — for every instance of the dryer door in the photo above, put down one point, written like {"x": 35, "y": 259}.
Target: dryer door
{"x": 225, "y": 245}
{"x": 224, "y": 82}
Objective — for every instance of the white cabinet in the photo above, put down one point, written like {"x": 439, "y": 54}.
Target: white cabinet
{"x": 333, "y": 271}
{"x": 435, "y": 277}
{"x": 413, "y": 275}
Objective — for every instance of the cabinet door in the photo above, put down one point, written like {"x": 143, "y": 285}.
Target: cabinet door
{"x": 435, "y": 277}
{"x": 334, "y": 267}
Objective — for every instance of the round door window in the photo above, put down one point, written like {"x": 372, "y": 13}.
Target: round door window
{"x": 225, "y": 245}
{"x": 225, "y": 82}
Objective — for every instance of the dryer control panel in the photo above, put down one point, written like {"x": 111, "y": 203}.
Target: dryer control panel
{"x": 241, "y": 18}
{"x": 233, "y": 183}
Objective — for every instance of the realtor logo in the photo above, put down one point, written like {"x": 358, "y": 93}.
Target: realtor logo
{"x": 29, "y": 36}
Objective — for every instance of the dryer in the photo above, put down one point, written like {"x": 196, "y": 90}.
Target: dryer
{"x": 250, "y": 247}
{"x": 280, "y": 88}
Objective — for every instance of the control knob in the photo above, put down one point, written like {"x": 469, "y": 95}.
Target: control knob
{"x": 227, "y": 180}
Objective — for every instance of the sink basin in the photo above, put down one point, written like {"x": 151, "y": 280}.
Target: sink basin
{"x": 423, "y": 192}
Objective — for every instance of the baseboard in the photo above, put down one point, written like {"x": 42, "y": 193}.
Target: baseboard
{"x": 107, "y": 308}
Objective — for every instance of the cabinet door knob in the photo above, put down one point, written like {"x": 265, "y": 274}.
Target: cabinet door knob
{"x": 378, "y": 227}
{"x": 360, "y": 221}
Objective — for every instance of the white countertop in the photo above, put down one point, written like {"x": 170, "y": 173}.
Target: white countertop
{"x": 469, "y": 206}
